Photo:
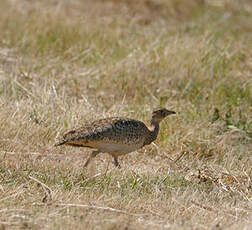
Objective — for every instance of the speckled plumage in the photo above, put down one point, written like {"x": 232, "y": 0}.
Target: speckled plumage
{"x": 115, "y": 135}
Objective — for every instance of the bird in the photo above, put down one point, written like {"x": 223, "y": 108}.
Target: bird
{"x": 115, "y": 135}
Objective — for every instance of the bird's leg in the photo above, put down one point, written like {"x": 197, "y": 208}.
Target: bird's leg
{"x": 92, "y": 155}
{"x": 116, "y": 163}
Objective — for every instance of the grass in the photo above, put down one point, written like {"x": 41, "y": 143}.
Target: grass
{"x": 65, "y": 62}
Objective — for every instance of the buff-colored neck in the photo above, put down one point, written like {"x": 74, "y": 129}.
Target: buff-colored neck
{"x": 153, "y": 132}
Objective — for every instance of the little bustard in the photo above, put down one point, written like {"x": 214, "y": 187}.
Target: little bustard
{"x": 115, "y": 135}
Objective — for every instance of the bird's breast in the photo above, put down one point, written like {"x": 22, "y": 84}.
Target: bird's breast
{"x": 117, "y": 148}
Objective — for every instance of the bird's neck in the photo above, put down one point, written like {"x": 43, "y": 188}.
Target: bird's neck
{"x": 153, "y": 132}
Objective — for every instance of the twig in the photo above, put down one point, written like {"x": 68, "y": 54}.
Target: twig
{"x": 99, "y": 208}
{"x": 47, "y": 190}
{"x": 180, "y": 156}
{"x": 29, "y": 153}
{"x": 14, "y": 153}
{"x": 54, "y": 156}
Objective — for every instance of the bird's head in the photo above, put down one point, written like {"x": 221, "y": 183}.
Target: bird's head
{"x": 159, "y": 114}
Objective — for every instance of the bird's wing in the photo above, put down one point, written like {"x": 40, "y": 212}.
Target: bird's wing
{"x": 110, "y": 130}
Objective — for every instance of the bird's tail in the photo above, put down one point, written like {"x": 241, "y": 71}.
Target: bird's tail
{"x": 60, "y": 143}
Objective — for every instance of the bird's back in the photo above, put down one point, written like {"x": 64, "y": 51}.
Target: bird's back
{"x": 112, "y": 134}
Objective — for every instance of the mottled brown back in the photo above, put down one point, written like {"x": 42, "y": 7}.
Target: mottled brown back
{"x": 110, "y": 130}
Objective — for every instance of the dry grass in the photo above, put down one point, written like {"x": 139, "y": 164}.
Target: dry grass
{"x": 65, "y": 62}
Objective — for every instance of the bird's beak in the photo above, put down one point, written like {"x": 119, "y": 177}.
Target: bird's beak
{"x": 169, "y": 112}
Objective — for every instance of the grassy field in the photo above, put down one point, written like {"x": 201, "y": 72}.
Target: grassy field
{"x": 63, "y": 63}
